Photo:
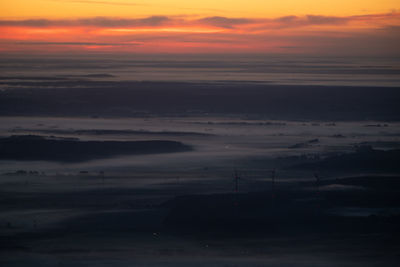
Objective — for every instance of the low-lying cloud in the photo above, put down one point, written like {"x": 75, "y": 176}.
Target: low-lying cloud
{"x": 94, "y": 22}
{"x": 216, "y": 21}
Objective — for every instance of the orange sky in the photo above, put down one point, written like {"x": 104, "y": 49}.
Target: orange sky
{"x": 173, "y": 26}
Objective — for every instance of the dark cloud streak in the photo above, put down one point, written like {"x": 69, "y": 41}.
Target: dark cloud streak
{"x": 225, "y": 22}
{"x": 95, "y": 21}
{"x": 216, "y": 21}
{"x": 71, "y": 43}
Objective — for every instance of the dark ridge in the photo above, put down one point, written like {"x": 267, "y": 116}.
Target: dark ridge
{"x": 233, "y": 123}
{"x": 34, "y": 78}
{"x": 286, "y": 211}
{"x": 380, "y": 144}
{"x": 110, "y": 132}
{"x": 130, "y": 99}
{"x": 55, "y": 78}
{"x": 305, "y": 144}
{"x": 387, "y": 183}
{"x": 247, "y": 211}
{"x": 31, "y": 147}
{"x": 94, "y": 75}
{"x": 365, "y": 158}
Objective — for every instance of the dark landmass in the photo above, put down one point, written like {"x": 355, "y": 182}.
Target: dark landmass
{"x": 74, "y": 78}
{"x": 244, "y": 212}
{"x": 117, "y": 221}
{"x": 305, "y": 208}
{"x": 31, "y": 147}
{"x": 380, "y": 144}
{"x": 365, "y": 158}
{"x": 338, "y": 136}
{"x": 110, "y": 132}
{"x": 305, "y": 144}
{"x": 94, "y": 75}
{"x": 268, "y": 123}
{"x": 295, "y": 211}
{"x": 376, "y": 125}
{"x": 129, "y": 99}
{"x": 387, "y": 183}
{"x": 35, "y": 78}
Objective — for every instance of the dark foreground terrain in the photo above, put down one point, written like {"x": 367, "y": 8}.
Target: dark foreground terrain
{"x": 31, "y": 147}
{"x": 344, "y": 222}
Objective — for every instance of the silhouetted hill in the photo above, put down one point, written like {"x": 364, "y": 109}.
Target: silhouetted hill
{"x": 128, "y": 99}
{"x": 31, "y": 147}
{"x": 364, "y": 158}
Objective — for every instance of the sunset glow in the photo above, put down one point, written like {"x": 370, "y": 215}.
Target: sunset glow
{"x": 290, "y": 26}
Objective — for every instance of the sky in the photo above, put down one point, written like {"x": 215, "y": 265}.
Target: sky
{"x": 348, "y": 27}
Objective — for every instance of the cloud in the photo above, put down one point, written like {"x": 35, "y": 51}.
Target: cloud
{"x": 224, "y": 22}
{"x": 71, "y": 43}
{"x": 308, "y": 20}
{"x": 96, "y": 22}
{"x": 217, "y": 21}
{"x": 29, "y": 23}
{"x": 110, "y": 22}
{"x": 317, "y": 20}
